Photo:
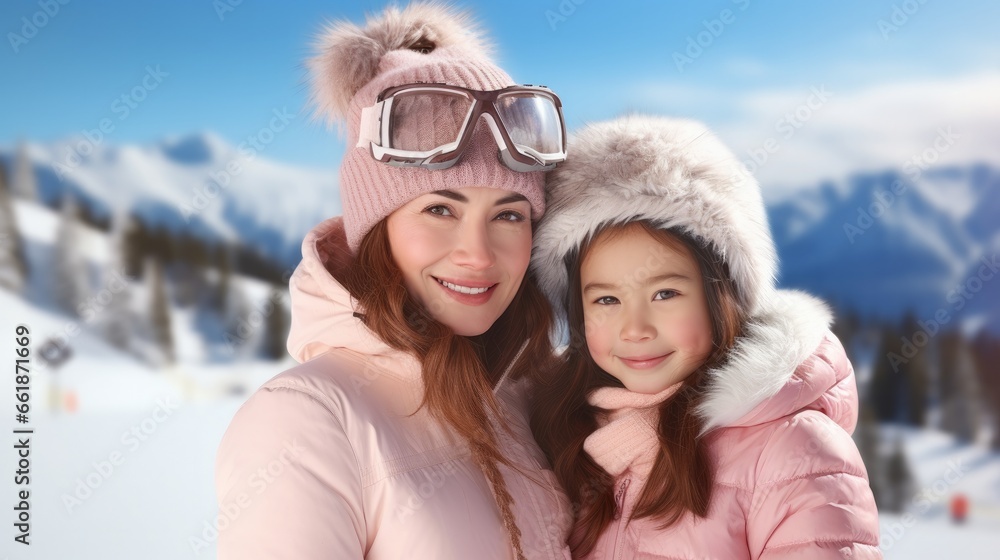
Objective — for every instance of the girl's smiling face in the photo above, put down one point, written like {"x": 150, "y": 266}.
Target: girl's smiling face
{"x": 463, "y": 253}
{"x": 646, "y": 316}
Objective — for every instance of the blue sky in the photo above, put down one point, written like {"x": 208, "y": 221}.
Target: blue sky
{"x": 228, "y": 74}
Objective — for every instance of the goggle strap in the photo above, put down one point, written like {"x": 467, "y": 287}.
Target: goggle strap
{"x": 369, "y": 132}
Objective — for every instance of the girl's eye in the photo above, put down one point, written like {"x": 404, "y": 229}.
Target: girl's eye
{"x": 664, "y": 294}
{"x": 510, "y": 216}
{"x": 438, "y": 210}
{"x": 606, "y": 300}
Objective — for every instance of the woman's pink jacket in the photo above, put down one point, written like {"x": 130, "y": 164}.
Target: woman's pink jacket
{"x": 333, "y": 460}
{"x": 789, "y": 484}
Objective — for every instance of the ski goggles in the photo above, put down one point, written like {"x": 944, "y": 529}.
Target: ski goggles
{"x": 431, "y": 125}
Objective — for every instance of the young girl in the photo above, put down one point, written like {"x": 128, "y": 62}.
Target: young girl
{"x": 699, "y": 412}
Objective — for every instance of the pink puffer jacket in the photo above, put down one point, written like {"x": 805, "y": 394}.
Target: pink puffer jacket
{"x": 789, "y": 483}
{"x": 328, "y": 461}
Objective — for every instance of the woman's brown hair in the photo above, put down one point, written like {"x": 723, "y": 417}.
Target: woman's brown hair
{"x": 459, "y": 372}
{"x": 682, "y": 475}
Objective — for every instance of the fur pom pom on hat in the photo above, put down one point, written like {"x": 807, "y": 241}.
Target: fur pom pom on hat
{"x": 423, "y": 42}
{"x": 672, "y": 172}
{"x": 349, "y": 56}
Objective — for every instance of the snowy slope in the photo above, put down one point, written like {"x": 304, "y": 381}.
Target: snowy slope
{"x": 942, "y": 468}
{"x": 39, "y": 227}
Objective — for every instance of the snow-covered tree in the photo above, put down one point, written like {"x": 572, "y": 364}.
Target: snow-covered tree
{"x": 13, "y": 264}
{"x": 917, "y": 370}
{"x": 867, "y": 437}
{"x": 24, "y": 183}
{"x": 236, "y": 317}
{"x": 278, "y": 321}
{"x": 961, "y": 407}
{"x": 900, "y": 484}
{"x": 160, "y": 322}
{"x": 885, "y": 387}
{"x": 69, "y": 267}
{"x": 118, "y": 320}
{"x": 987, "y": 352}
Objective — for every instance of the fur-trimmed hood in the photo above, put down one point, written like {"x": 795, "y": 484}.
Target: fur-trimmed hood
{"x": 775, "y": 368}
{"x": 676, "y": 174}
{"x": 672, "y": 172}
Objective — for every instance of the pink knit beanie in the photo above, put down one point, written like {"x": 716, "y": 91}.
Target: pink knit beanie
{"x": 424, "y": 42}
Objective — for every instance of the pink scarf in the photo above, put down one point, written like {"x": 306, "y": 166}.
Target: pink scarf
{"x": 627, "y": 438}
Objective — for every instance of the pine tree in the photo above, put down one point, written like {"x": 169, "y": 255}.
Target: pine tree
{"x": 118, "y": 318}
{"x": 189, "y": 269}
{"x": 916, "y": 370}
{"x": 24, "y": 182}
{"x": 69, "y": 268}
{"x": 960, "y": 392}
{"x": 867, "y": 438}
{"x": 159, "y": 313}
{"x": 987, "y": 354}
{"x": 899, "y": 478}
{"x": 13, "y": 264}
{"x": 846, "y": 329}
{"x": 134, "y": 246}
{"x": 886, "y": 382}
{"x": 223, "y": 258}
{"x": 236, "y": 318}
{"x": 277, "y": 326}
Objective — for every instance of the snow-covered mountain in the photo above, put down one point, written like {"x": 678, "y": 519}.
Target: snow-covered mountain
{"x": 892, "y": 242}
{"x": 196, "y": 183}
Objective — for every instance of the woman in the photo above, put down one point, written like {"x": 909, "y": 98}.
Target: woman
{"x": 404, "y": 432}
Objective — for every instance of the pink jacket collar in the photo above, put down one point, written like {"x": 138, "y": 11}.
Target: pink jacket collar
{"x": 323, "y": 312}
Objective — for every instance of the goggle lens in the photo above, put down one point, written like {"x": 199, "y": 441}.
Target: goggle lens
{"x": 423, "y": 121}
{"x": 532, "y": 121}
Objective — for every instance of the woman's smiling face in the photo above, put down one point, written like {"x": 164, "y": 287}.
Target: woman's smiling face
{"x": 463, "y": 253}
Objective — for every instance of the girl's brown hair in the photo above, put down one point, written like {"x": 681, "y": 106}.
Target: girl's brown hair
{"x": 682, "y": 475}
{"x": 459, "y": 372}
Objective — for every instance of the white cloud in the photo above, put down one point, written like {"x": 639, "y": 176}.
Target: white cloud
{"x": 870, "y": 128}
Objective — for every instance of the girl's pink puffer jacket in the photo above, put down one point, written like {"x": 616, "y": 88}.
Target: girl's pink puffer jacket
{"x": 789, "y": 484}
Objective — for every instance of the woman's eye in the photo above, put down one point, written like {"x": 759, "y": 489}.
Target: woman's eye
{"x": 439, "y": 210}
{"x": 606, "y": 300}
{"x": 511, "y": 216}
{"x": 664, "y": 294}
